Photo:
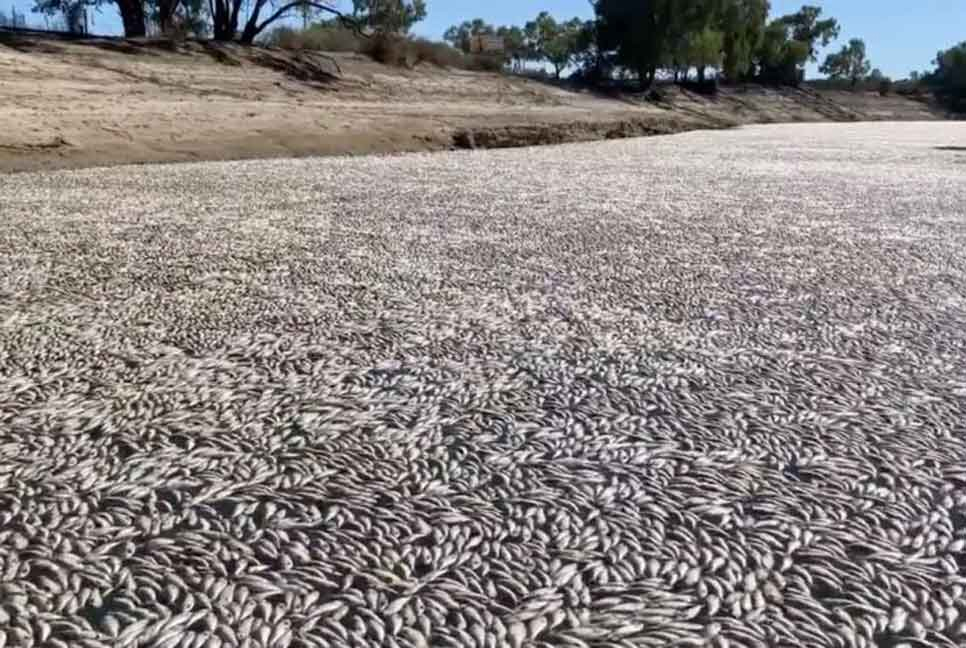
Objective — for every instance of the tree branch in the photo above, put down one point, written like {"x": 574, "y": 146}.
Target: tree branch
{"x": 234, "y": 11}
{"x": 345, "y": 20}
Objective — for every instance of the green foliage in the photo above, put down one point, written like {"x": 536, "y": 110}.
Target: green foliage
{"x": 779, "y": 57}
{"x": 770, "y": 51}
{"x": 396, "y": 16}
{"x": 72, "y": 14}
{"x": 515, "y": 43}
{"x": 594, "y": 60}
{"x": 876, "y": 76}
{"x": 886, "y": 86}
{"x": 807, "y": 28}
{"x": 790, "y": 42}
{"x": 849, "y": 63}
{"x": 704, "y": 50}
{"x": 134, "y": 13}
{"x": 179, "y": 19}
{"x": 640, "y": 33}
{"x": 560, "y": 46}
{"x": 460, "y": 36}
{"x": 61, "y": 7}
{"x": 554, "y": 42}
{"x": 949, "y": 78}
{"x": 742, "y": 24}
{"x": 516, "y": 46}
{"x": 680, "y": 34}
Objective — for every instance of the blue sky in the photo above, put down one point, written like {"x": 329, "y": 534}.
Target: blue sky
{"x": 901, "y": 35}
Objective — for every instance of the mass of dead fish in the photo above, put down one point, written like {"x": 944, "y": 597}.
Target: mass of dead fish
{"x": 706, "y": 390}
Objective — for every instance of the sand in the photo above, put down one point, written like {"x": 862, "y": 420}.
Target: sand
{"x": 99, "y": 102}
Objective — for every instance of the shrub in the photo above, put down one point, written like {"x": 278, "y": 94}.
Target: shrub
{"x": 386, "y": 48}
{"x": 885, "y": 87}
{"x": 949, "y": 79}
{"x": 393, "y": 49}
{"x": 910, "y": 88}
{"x": 317, "y": 38}
{"x": 441, "y": 54}
{"x": 389, "y": 49}
{"x": 484, "y": 63}
{"x": 708, "y": 87}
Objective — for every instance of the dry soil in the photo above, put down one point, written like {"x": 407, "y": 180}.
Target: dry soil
{"x": 108, "y": 101}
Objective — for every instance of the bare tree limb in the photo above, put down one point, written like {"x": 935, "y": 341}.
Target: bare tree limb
{"x": 284, "y": 9}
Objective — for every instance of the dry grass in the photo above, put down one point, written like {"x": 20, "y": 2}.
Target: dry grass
{"x": 389, "y": 49}
{"x": 437, "y": 53}
{"x": 109, "y": 101}
{"x": 393, "y": 49}
{"x": 320, "y": 39}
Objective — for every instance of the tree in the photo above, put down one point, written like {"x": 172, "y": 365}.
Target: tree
{"x": 849, "y": 63}
{"x": 789, "y": 42}
{"x": 949, "y": 78}
{"x": 226, "y": 14}
{"x": 807, "y": 28}
{"x": 779, "y": 58}
{"x": 9, "y": 21}
{"x": 742, "y": 24}
{"x": 461, "y": 36}
{"x": 192, "y": 18}
{"x": 75, "y": 16}
{"x": 224, "y": 18}
{"x": 179, "y": 16}
{"x": 132, "y": 12}
{"x": 638, "y": 32}
{"x": 305, "y": 12}
{"x": 647, "y": 35}
{"x": 704, "y": 50}
{"x": 883, "y": 83}
{"x": 555, "y": 42}
{"x": 515, "y": 44}
{"x": 396, "y": 16}
{"x": 590, "y": 54}
{"x": 162, "y": 13}
{"x": 687, "y": 19}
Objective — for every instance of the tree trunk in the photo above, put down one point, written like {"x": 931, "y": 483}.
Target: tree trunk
{"x": 219, "y": 20}
{"x": 132, "y": 15}
{"x": 166, "y": 11}
{"x": 221, "y": 31}
{"x": 252, "y": 28}
{"x": 250, "y": 32}
{"x": 225, "y": 19}
{"x": 235, "y": 9}
{"x": 702, "y": 71}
